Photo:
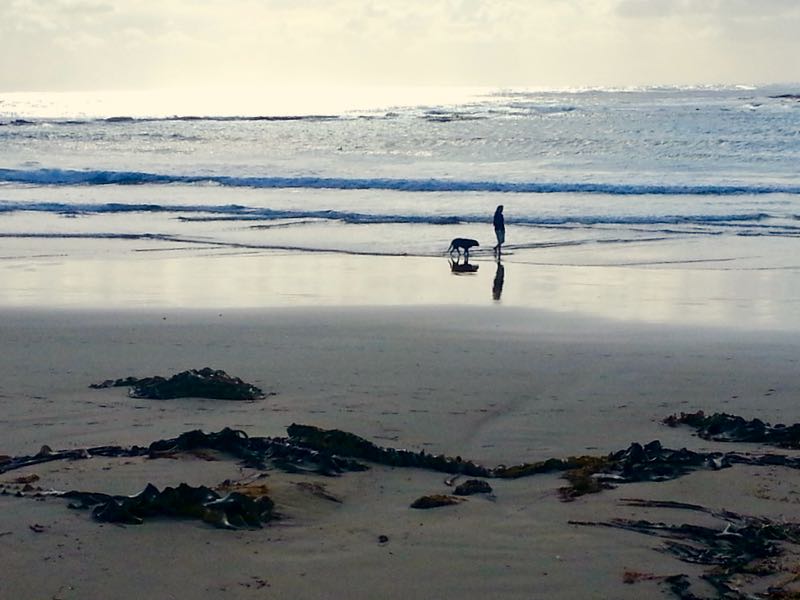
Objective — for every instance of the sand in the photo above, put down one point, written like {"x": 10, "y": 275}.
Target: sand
{"x": 494, "y": 385}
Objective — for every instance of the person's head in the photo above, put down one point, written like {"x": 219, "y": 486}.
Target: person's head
{"x": 500, "y": 208}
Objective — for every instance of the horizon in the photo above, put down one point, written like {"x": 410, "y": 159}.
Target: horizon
{"x": 313, "y": 100}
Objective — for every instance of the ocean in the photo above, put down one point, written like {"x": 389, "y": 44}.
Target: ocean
{"x": 698, "y": 178}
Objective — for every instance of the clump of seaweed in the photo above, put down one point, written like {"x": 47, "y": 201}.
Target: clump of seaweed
{"x": 202, "y": 383}
{"x": 585, "y": 478}
{"x": 472, "y": 486}
{"x": 235, "y": 510}
{"x": 253, "y": 488}
{"x": 435, "y": 501}
{"x": 631, "y": 577}
{"x": 722, "y": 427}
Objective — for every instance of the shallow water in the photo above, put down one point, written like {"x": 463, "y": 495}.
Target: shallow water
{"x": 640, "y": 203}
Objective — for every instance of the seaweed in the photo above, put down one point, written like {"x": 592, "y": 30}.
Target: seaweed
{"x": 582, "y": 480}
{"x": 47, "y": 455}
{"x": 310, "y": 449}
{"x": 435, "y": 501}
{"x": 722, "y": 427}
{"x": 332, "y": 452}
{"x": 343, "y": 443}
{"x": 744, "y": 546}
{"x": 235, "y": 510}
{"x": 202, "y": 383}
{"x": 472, "y": 486}
{"x": 586, "y": 474}
{"x": 254, "y": 452}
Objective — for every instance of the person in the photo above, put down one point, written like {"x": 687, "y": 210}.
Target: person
{"x": 499, "y": 228}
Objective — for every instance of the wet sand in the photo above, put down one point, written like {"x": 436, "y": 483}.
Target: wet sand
{"x": 690, "y": 284}
{"x": 495, "y": 386}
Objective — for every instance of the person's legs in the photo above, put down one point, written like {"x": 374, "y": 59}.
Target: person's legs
{"x": 501, "y": 237}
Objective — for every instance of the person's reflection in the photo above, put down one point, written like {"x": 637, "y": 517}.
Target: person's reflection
{"x": 499, "y": 276}
{"x": 459, "y": 268}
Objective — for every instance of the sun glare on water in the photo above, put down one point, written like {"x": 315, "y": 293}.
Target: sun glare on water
{"x": 228, "y": 102}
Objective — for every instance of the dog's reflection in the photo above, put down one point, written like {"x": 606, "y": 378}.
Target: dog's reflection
{"x": 461, "y": 267}
{"x": 499, "y": 277}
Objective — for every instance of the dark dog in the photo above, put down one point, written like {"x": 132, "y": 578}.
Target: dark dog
{"x": 459, "y": 244}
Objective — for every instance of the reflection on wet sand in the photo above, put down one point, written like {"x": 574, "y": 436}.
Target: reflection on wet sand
{"x": 457, "y": 267}
{"x": 77, "y": 275}
{"x": 499, "y": 277}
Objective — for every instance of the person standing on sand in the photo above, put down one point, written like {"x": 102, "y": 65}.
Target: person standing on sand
{"x": 499, "y": 229}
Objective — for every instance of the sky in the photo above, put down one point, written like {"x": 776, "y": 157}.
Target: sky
{"x": 83, "y": 45}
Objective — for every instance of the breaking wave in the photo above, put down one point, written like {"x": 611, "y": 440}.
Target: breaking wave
{"x": 67, "y": 177}
{"x": 236, "y": 212}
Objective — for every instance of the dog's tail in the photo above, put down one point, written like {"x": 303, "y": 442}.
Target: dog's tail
{"x": 451, "y": 248}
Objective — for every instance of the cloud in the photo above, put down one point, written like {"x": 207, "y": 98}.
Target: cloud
{"x": 47, "y": 44}
{"x": 769, "y": 9}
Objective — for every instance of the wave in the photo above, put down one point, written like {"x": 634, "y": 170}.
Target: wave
{"x": 236, "y": 212}
{"x": 97, "y": 177}
{"x": 202, "y": 242}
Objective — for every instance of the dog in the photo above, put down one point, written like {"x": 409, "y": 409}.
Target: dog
{"x": 459, "y": 244}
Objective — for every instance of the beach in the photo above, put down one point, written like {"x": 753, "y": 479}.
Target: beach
{"x": 650, "y": 270}
{"x": 493, "y": 383}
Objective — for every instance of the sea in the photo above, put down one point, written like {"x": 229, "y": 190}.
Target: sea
{"x": 702, "y": 178}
